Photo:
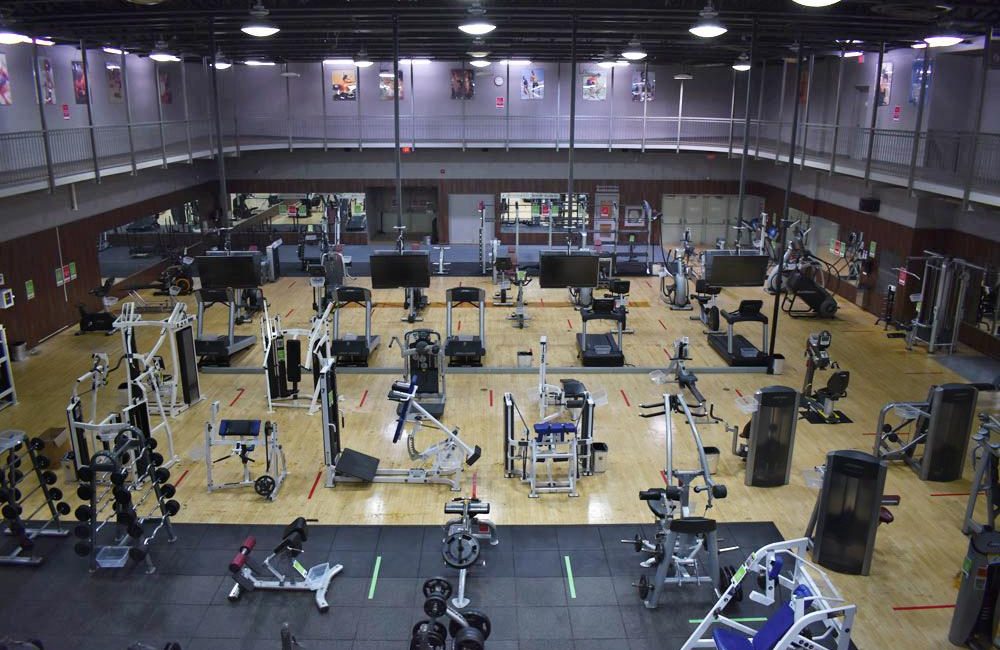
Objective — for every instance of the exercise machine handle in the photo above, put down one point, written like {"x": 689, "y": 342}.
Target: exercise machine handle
{"x": 241, "y": 557}
{"x": 474, "y": 456}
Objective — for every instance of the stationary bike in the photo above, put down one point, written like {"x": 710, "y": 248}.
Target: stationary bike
{"x": 99, "y": 321}
{"x": 817, "y": 405}
{"x": 519, "y": 316}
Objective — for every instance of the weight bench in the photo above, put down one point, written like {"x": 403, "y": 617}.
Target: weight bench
{"x": 774, "y": 629}
{"x": 556, "y": 442}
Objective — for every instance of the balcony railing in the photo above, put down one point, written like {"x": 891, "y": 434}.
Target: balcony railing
{"x": 960, "y": 164}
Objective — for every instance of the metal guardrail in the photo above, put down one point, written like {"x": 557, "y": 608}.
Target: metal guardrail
{"x": 962, "y": 161}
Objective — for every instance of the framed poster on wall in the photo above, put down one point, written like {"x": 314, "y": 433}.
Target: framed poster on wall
{"x": 344, "y": 84}
{"x": 635, "y": 217}
{"x": 884, "y": 85}
{"x": 80, "y": 90}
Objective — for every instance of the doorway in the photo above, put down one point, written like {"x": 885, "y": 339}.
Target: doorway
{"x": 419, "y": 213}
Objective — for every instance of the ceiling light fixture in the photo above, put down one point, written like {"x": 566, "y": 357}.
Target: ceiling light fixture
{"x": 683, "y": 76}
{"x": 742, "y": 64}
{"x": 708, "y": 25}
{"x": 479, "y": 63}
{"x": 634, "y": 51}
{"x": 919, "y": 46}
{"x": 853, "y": 54}
{"x": 43, "y": 41}
{"x": 362, "y": 60}
{"x": 221, "y": 62}
{"x": 478, "y": 54}
{"x": 338, "y": 61}
{"x": 414, "y": 61}
{"x": 944, "y": 40}
{"x": 112, "y": 66}
{"x": 816, "y": 3}
{"x": 259, "y": 25}
{"x": 113, "y": 50}
{"x": 161, "y": 54}
{"x": 253, "y": 63}
{"x": 514, "y": 62}
{"x": 10, "y": 37}
{"x": 476, "y": 24}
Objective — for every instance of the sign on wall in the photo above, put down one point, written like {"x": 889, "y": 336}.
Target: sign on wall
{"x": 6, "y": 99}
{"x": 500, "y": 102}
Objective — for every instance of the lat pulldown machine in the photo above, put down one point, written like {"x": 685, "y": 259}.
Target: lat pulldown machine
{"x": 284, "y": 362}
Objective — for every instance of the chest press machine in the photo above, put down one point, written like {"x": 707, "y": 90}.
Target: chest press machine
{"x": 445, "y": 457}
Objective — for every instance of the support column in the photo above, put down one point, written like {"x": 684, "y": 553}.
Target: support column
{"x": 781, "y": 110}
{"x": 357, "y": 100}
{"x": 760, "y": 105}
{"x": 463, "y": 109}
{"x": 90, "y": 112}
{"x": 645, "y": 72}
{"x": 159, "y": 113}
{"x": 836, "y": 116}
{"x": 506, "y": 104}
{"x": 224, "y": 204}
{"x": 187, "y": 116}
{"x": 413, "y": 109}
{"x": 395, "y": 119}
{"x": 46, "y": 145}
{"x": 970, "y": 174}
{"x": 732, "y": 114}
{"x": 680, "y": 115}
{"x": 288, "y": 109}
{"x": 746, "y": 125}
{"x": 572, "y": 129}
{"x": 871, "y": 129}
{"x": 128, "y": 109}
{"x": 783, "y": 229}
{"x": 921, "y": 101}
{"x": 805, "y": 121}
{"x": 322, "y": 97}
{"x": 558, "y": 110}
{"x": 611, "y": 108}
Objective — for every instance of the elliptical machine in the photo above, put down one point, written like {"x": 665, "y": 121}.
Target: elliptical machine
{"x": 99, "y": 321}
{"x": 676, "y": 268}
{"x": 520, "y": 280}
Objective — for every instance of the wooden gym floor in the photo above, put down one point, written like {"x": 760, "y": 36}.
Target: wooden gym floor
{"x": 917, "y": 557}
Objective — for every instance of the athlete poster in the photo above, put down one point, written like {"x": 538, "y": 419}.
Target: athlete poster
{"x": 532, "y": 83}
{"x": 463, "y": 84}
{"x": 594, "y": 84}
{"x": 5, "y": 96}
{"x": 113, "y": 72}
{"x": 884, "y": 85}
{"x": 387, "y": 89}
{"x": 79, "y": 82}
{"x": 48, "y": 81}
{"x": 643, "y": 86}
{"x": 916, "y": 78}
{"x": 344, "y": 83}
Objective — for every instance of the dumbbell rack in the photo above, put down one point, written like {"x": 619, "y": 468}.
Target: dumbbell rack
{"x": 15, "y": 449}
{"x": 121, "y": 479}
{"x": 8, "y": 396}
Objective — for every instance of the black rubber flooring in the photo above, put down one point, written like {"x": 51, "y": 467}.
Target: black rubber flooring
{"x": 523, "y": 588}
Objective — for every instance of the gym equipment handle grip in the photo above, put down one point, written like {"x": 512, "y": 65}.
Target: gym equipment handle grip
{"x": 241, "y": 557}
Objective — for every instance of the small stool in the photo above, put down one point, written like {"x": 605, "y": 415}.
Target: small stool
{"x": 441, "y": 264}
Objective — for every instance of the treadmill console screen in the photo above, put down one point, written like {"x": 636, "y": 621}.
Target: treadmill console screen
{"x": 736, "y": 270}
{"x": 229, "y": 271}
{"x": 407, "y": 271}
{"x": 559, "y": 270}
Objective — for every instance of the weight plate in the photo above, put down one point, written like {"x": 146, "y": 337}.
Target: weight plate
{"x": 469, "y": 638}
{"x": 474, "y": 618}
{"x": 435, "y": 606}
{"x": 437, "y": 627}
{"x": 264, "y": 486}
{"x": 62, "y": 508}
{"x": 428, "y": 639}
{"x": 460, "y": 550}
{"x": 439, "y": 586}
{"x": 644, "y": 587}
{"x": 638, "y": 543}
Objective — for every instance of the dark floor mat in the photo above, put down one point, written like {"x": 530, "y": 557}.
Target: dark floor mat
{"x": 525, "y": 587}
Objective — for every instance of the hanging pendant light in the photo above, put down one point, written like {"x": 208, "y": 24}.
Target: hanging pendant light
{"x": 259, "y": 26}
{"x": 476, "y": 24}
{"x": 742, "y": 64}
{"x": 708, "y": 25}
{"x": 634, "y": 51}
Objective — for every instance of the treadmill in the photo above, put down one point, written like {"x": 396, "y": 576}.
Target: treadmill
{"x": 218, "y": 351}
{"x": 353, "y": 349}
{"x": 602, "y": 350}
{"x": 465, "y": 349}
{"x": 735, "y": 349}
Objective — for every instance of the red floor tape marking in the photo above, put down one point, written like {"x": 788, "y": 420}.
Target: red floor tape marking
{"x": 289, "y": 312}
{"x": 914, "y": 608}
{"x": 239, "y": 394}
{"x": 661, "y": 324}
{"x": 315, "y": 483}
{"x": 459, "y": 326}
{"x": 491, "y": 398}
{"x": 568, "y": 322}
{"x": 178, "y": 483}
{"x": 364, "y": 396}
{"x": 625, "y": 397}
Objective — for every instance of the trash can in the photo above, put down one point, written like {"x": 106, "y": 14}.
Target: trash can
{"x": 712, "y": 456}
{"x": 19, "y": 351}
{"x": 600, "y": 452}
{"x": 777, "y": 364}
{"x": 524, "y": 359}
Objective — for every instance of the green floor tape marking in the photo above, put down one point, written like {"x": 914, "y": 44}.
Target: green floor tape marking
{"x": 371, "y": 588}
{"x": 751, "y": 619}
{"x": 569, "y": 577}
